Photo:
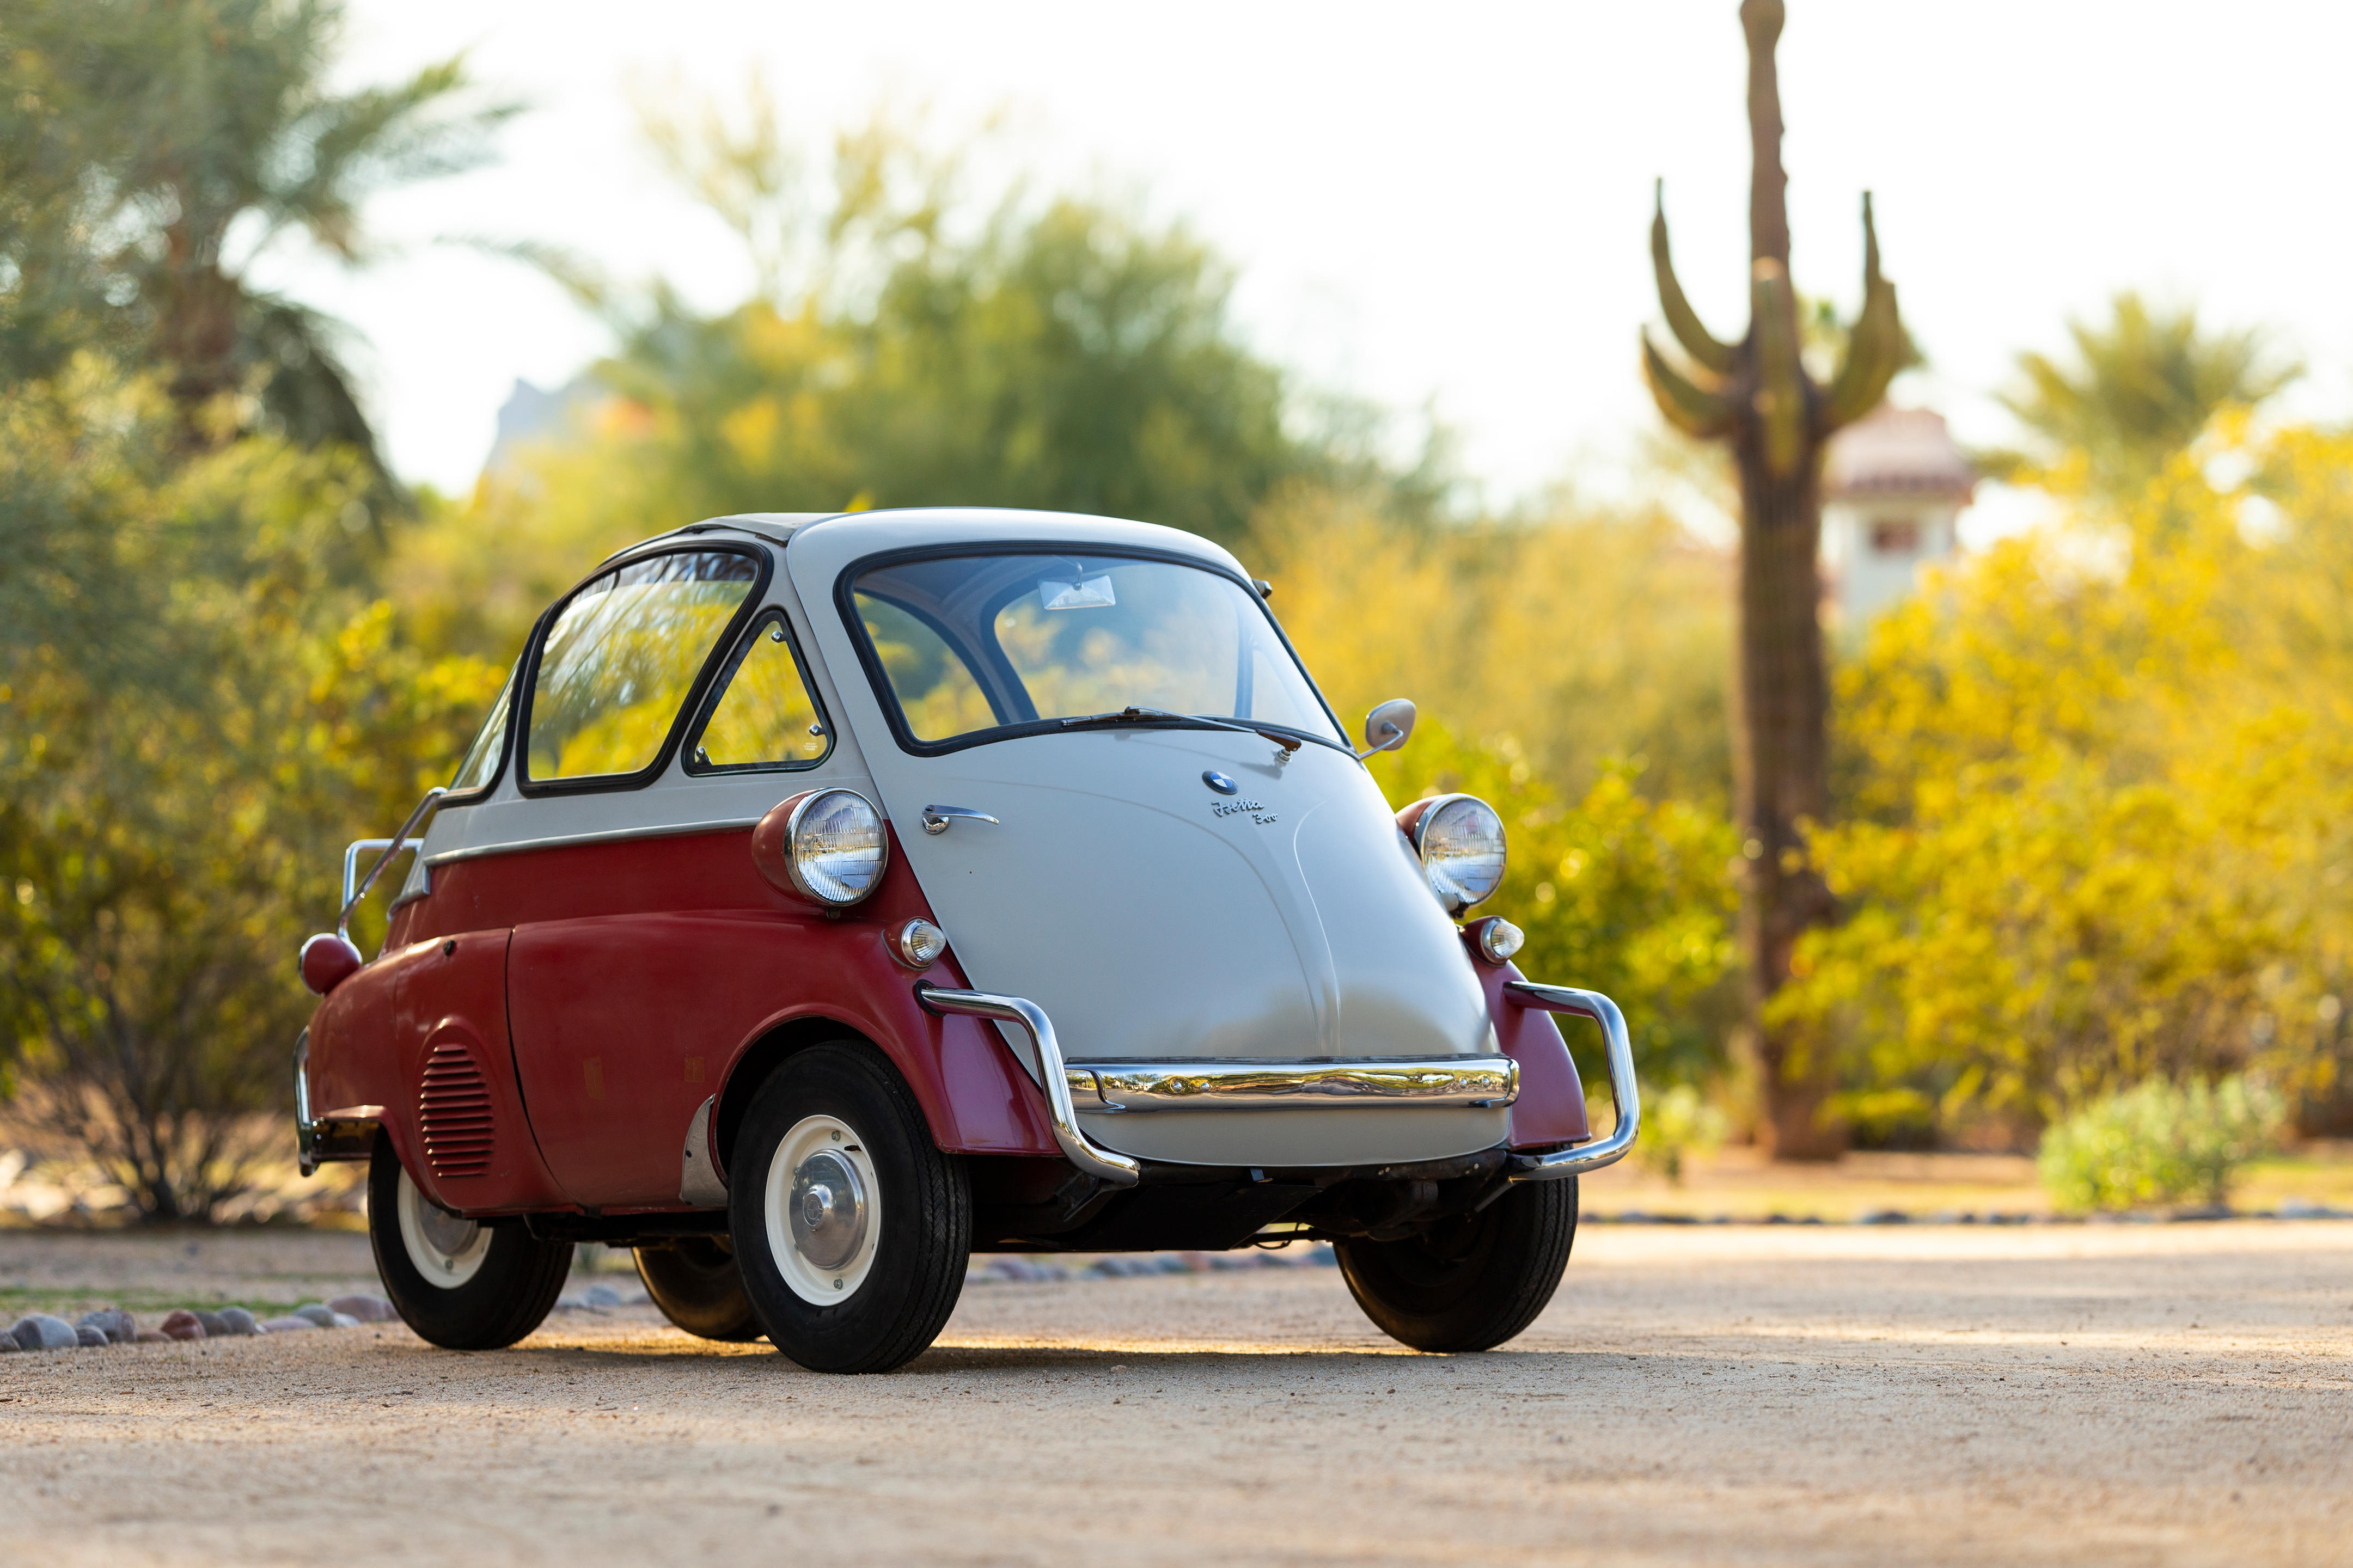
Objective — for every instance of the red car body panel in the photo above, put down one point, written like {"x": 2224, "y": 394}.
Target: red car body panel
{"x": 612, "y": 987}
{"x": 1550, "y": 1109}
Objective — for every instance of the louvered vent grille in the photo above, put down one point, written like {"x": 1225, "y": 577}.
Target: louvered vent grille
{"x": 453, "y": 1110}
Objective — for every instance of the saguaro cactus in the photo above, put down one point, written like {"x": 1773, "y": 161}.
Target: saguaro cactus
{"x": 1755, "y": 396}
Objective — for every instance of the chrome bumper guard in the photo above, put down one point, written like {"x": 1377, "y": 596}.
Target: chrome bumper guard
{"x": 1623, "y": 1093}
{"x": 329, "y": 1138}
{"x": 1243, "y": 1083}
{"x": 1026, "y": 1016}
{"x": 306, "y": 1132}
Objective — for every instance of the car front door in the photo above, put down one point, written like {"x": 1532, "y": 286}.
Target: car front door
{"x": 619, "y": 1028}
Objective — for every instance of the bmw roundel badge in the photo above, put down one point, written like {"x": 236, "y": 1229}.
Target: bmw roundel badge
{"x": 1220, "y": 782}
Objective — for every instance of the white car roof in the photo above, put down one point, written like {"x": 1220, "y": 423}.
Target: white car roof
{"x": 864, "y": 532}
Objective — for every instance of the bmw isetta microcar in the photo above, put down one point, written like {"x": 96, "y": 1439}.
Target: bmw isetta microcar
{"x": 828, "y": 898}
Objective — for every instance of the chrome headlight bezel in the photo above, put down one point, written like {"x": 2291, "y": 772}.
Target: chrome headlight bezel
{"x": 805, "y": 850}
{"x": 1444, "y": 864}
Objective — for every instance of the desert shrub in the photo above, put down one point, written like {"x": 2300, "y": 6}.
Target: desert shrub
{"x": 2158, "y": 1143}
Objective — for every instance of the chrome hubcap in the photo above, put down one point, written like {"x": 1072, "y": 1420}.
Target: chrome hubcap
{"x": 824, "y": 1209}
{"x": 828, "y": 1209}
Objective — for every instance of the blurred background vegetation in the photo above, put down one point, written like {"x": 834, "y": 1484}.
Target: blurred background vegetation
{"x": 2094, "y": 782}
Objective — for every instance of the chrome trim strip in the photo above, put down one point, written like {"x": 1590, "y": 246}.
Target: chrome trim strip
{"x": 1023, "y": 1013}
{"x": 604, "y": 835}
{"x": 1316, "y": 1083}
{"x": 1623, "y": 1091}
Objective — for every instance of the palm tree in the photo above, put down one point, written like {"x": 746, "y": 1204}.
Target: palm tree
{"x": 2143, "y": 386}
{"x": 152, "y": 149}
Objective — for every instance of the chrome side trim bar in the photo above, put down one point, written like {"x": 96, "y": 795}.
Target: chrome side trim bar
{"x": 1244, "y": 1083}
{"x": 355, "y": 891}
{"x": 1624, "y": 1092}
{"x": 1053, "y": 1076}
{"x": 603, "y": 835}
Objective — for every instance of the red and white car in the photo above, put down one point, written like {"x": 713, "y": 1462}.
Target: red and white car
{"x": 828, "y": 898}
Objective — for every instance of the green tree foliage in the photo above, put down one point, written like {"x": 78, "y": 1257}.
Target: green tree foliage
{"x": 1618, "y": 893}
{"x": 199, "y": 699}
{"x": 1061, "y": 354}
{"x": 2142, "y": 388}
{"x": 151, "y": 150}
{"x": 191, "y": 716}
{"x": 2103, "y": 785}
{"x": 1586, "y": 633}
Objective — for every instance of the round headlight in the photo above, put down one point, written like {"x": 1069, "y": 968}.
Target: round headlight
{"x": 1460, "y": 841}
{"x": 836, "y": 847}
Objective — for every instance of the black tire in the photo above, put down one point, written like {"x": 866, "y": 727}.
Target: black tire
{"x": 1468, "y": 1283}
{"x": 512, "y": 1279}
{"x": 900, "y": 1275}
{"x": 695, "y": 1282}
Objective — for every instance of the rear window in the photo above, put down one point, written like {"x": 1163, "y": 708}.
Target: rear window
{"x": 622, "y": 656}
{"x": 972, "y": 646}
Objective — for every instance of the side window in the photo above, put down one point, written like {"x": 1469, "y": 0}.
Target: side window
{"x": 764, "y": 717}
{"x": 480, "y": 764}
{"x": 620, "y": 661}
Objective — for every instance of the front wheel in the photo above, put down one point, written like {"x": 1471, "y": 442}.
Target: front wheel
{"x": 460, "y": 1285}
{"x": 852, "y": 1228}
{"x": 1471, "y": 1282}
{"x": 695, "y": 1282}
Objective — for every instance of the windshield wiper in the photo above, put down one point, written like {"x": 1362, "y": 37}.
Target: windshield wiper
{"x": 1285, "y": 743}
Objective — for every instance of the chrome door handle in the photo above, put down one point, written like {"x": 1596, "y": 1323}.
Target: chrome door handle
{"x": 938, "y": 817}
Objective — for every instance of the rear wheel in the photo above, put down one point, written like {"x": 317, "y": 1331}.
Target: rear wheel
{"x": 1471, "y": 1282}
{"x": 694, "y": 1281}
{"x": 852, "y": 1228}
{"x": 460, "y": 1285}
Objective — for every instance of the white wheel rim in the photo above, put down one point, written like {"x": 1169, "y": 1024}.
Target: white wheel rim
{"x": 445, "y": 1249}
{"x": 823, "y": 1177}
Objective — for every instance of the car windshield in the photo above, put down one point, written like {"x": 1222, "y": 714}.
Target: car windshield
{"x": 970, "y": 645}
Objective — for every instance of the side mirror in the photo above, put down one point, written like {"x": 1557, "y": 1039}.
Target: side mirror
{"x": 1386, "y": 726}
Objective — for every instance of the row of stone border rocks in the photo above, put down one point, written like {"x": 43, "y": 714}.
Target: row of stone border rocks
{"x": 603, "y": 1299}
{"x": 112, "y": 1326}
{"x": 1133, "y": 1264}
{"x": 2293, "y": 1208}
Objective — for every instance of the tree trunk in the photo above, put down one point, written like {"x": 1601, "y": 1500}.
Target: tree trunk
{"x": 1781, "y": 737}
{"x": 1757, "y": 396}
{"x": 1781, "y": 772}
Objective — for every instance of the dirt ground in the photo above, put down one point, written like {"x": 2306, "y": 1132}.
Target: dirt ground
{"x": 1951, "y": 1395}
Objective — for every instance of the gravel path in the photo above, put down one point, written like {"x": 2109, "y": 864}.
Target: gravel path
{"x": 2128, "y": 1393}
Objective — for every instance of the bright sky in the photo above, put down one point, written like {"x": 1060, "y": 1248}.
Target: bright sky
{"x": 1441, "y": 204}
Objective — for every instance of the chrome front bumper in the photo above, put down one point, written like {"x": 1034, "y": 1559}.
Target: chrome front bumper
{"x": 1210, "y": 1084}
{"x": 1242, "y": 1083}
